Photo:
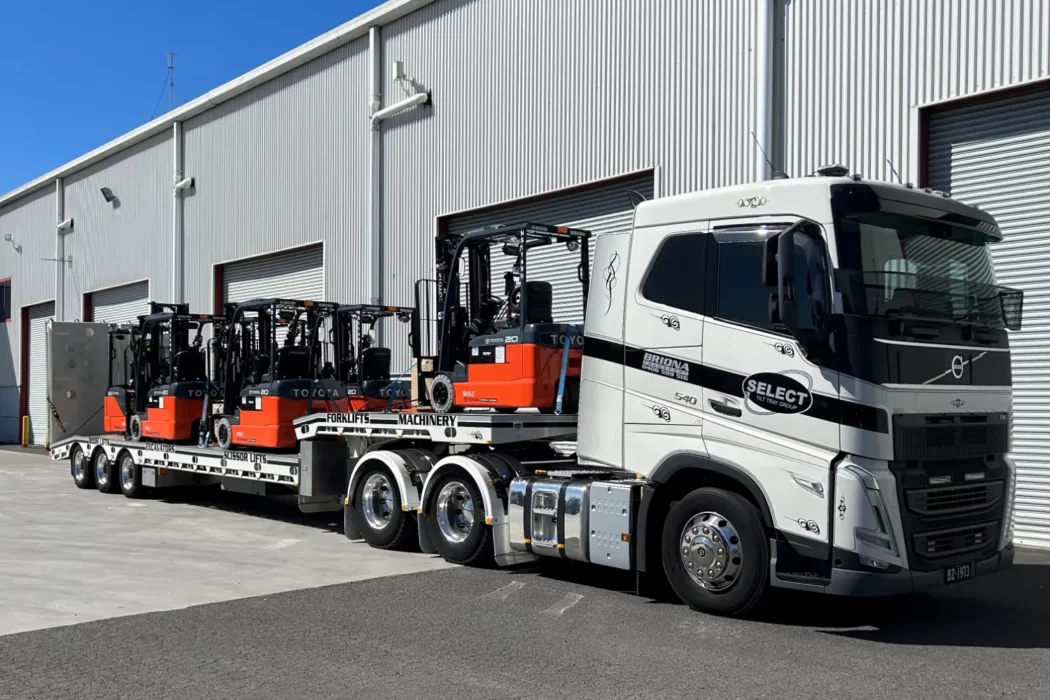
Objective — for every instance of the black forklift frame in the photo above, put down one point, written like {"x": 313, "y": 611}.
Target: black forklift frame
{"x": 352, "y": 319}
{"x": 316, "y": 313}
{"x": 170, "y": 315}
{"x": 449, "y": 247}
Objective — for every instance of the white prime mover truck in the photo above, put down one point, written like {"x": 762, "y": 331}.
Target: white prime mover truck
{"x": 802, "y": 383}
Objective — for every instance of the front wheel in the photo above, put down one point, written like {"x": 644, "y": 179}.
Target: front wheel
{"x": 442, "y": 394}
{"x": 377, "y": 510}
{"x": 715, "y": 552}
{"x": 223, "y": 433}
{"x": 80, "y": 470}
{"x": 455, "y": 521}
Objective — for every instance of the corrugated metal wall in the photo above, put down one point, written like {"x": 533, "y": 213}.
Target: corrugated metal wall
{"x": 280, "y": 166}
{"x": 32, "y": 225}
{"x": 535, "y": 95}
{"x": 137, "y": 223}
{"x": 854, "y": 72}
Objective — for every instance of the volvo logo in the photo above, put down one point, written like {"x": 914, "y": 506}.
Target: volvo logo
{"x": 958, "y": 364}
{"x": 750, "y": 202}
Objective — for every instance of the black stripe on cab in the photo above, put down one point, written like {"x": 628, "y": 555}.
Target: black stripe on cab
{"x": 827, "y": 408}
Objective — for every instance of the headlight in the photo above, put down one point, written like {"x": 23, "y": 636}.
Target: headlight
{"x": 878, "y": 533}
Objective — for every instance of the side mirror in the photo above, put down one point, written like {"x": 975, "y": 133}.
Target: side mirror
{"x": 810, "y": 332}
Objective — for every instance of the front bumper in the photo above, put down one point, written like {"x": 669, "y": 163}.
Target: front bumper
{"x": 850, "y": 582}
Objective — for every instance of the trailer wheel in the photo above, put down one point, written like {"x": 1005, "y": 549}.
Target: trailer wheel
{"x": 715, "y": 552}
{"x": 105, "y": 474}
{"x": 377, "y": 510}
{"x": 223, "y": 433}
{"x": 135, "y": 426}
{"x": 442, "y": 394}
{"x": 455, "y": 521}
{"x": 79, "y": 468}
{"x": 130, "y": 475}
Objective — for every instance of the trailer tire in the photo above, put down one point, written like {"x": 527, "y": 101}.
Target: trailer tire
{"x": 105, "y": 472}
{"x": 383, "y": 524}
{"x": 458, "y": 537}
{"x": 135, "y": 426}
{"x": 442, "y": 394}
{"x": 726, "y": 568}
{"x": 223, "y": 433}
{"x": 129, "y": 475}
{"x": 81, "y": 469}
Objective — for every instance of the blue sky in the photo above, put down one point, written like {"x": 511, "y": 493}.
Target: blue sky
{"x": 74, "y": 75}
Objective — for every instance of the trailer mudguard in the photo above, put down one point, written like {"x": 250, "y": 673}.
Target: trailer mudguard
{"x": 495, "y": 514}
{"x": 398, "y": 467}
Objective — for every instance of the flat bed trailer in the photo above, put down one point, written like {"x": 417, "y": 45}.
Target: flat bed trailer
{"x": 330, "y": 445}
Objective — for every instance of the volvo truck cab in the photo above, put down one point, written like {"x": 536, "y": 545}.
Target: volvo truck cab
{"x": 814, "y": 370}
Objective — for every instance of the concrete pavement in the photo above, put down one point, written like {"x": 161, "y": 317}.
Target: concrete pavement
{"x": 69, "y": 555}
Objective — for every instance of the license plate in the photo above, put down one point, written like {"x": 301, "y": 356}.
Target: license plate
{"x": 958, "y": 572}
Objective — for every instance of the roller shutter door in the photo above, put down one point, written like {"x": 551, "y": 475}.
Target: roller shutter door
{"x": 997, "y": 156}
{"x": 36, "y": 346}
{"x": 120, "y": 304}
{"x": 603, "y": 208}
{"x": 296, "y": 274}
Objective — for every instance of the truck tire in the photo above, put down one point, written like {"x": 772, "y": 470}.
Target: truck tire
{"x": 129, "y": 475}
{"x": 80, "y": 469}
{"x": 377, "y": 510}
{"x": 455, "y": 521}
{"x": 105, "y": 472}
{"x": 715, "y": 553}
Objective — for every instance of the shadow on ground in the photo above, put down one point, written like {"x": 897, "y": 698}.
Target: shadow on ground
{"x": 279, "y": 508}
{"x": 1006, "y": 610}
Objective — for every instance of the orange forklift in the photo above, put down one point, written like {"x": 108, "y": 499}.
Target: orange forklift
{"x": 276, "y": 368}
{"x": 120, "y": 396}
{"x": 364, "y": 366}
{"x": 171, "y": 385}
{"x": 505, "y": 352}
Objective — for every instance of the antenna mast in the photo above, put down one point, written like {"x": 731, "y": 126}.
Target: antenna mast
{"x": 171, "y": 80}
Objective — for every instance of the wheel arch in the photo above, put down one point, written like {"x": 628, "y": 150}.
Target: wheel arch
{"x": 483, "y": 481}
{"x": 680, "y": 473}
{"x": 396, "y": 464}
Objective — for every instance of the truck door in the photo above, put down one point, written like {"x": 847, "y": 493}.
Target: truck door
{"x": 664, "y": 329}
{"x": 766, "y": 406}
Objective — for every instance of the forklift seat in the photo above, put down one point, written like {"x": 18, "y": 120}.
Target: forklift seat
{"x": 293, "y": 362}
{"x": 540, "y": 298}
{"x": 375, "y": 364}
{"x": 189, "y": 366}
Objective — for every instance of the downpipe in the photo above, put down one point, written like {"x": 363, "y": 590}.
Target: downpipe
{"x": 378, "y": 113}
{"x": 763, "y": 87}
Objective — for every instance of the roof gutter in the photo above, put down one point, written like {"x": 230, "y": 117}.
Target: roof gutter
{"x": 343, "y": 34}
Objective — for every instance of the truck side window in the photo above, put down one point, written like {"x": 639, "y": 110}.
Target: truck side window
{"x": 676, "y": 275}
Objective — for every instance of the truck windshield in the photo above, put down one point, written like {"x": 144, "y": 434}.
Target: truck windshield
{"x": 897, "y": 265}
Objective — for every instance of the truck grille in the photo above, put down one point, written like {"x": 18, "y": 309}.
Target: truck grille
{"x": 951, "y": 510}
{"x": 961, "y": 540}
{"x": 954, "y": 499}
{"x": 940, "y": 437}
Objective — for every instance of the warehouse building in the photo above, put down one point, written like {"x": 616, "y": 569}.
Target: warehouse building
{"x": 326, "y": 172}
